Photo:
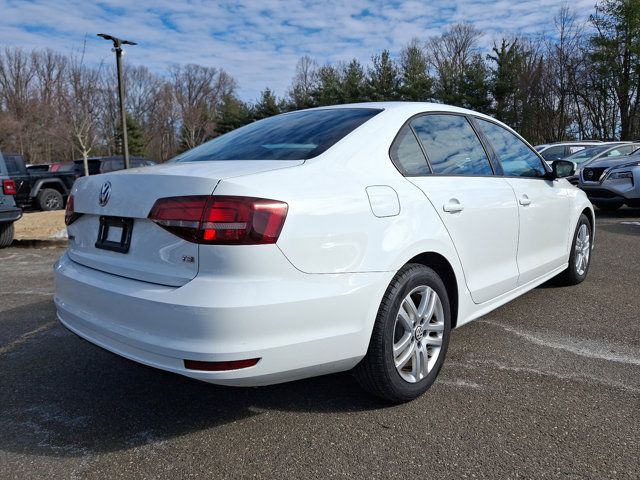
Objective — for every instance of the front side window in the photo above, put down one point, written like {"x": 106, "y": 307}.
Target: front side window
{"x": 517, "y": 159}
{"x": 291, "y": 136}
{"x": 407, "y": 154}
{"x": 452, "y": 146}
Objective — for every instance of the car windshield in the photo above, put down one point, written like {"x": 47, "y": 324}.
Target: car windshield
{"x": 587, "y": 154}
{"x": 291, "y": 136}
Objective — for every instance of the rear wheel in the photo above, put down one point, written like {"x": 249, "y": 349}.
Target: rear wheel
{"x": 6, "y": 234}
{"x": 580, "y": 257}
{"x": 609, "y": 207}
{"x": 50, "y": 199}
{"x": 410, "y": 336}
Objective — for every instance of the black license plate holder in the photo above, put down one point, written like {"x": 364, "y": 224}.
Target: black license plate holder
{"x": 115, "y": 234}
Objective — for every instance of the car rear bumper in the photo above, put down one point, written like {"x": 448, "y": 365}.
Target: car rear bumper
{"x": 304, "y": 325}
{"x": 10, "y": 215}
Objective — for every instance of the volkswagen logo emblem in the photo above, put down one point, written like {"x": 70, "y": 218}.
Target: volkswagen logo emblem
{"x": 589, "y": 174}
{"x": 419, "y": 333}
{"x": 105, "y": 194}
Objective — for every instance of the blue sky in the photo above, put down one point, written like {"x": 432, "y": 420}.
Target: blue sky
{"x": 259, "y": 42}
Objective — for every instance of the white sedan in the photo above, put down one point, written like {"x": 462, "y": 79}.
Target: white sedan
{"x": 318, "y": 241}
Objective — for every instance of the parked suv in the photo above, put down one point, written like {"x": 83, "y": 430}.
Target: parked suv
{"x": 612, "y": 182}
{"x": 9, "y": 213}
{"x": 43, "y": 190}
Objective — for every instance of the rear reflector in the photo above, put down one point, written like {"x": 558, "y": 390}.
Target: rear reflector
{"x": 220, "y": 366}
{"x": 221, "y": 220}
{"x": 9, "y": 187}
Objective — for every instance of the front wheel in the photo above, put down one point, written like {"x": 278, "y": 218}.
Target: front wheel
{"x": 410, "y": 336}
{"x": 580, "y": 257}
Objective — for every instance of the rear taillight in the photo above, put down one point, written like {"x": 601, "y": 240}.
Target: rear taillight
{"x": 9, "y": 187}
{"x": 70, "y": 214}
{"x": 221, "y": 220}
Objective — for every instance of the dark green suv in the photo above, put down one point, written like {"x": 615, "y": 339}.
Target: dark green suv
{"x": 9, "y": 213}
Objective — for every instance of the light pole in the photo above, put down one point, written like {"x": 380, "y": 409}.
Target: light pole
{"x": 117, "y": 47}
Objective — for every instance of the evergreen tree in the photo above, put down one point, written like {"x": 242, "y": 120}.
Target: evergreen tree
{"x": 504, "y": 80}
{"x": 616, "y": 47}
{"x": 475, "y": 86}
{"x": 416, "y": 84}
{"x": 354, "y": 86}
{"x": 329, "y": 88}
{"x": 233, "y": 114}
{"x": 384, "y": 82}
{"x": 267, "y": 106}
{"x": 135, "y": 140}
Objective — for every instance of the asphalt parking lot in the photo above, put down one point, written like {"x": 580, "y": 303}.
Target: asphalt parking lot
{"x": 547, "y": 386}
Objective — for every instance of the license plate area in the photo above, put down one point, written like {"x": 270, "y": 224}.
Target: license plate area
{"x": 115, "y": 234}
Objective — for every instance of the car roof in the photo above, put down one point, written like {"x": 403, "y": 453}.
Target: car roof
{"x": 409, "y": 108}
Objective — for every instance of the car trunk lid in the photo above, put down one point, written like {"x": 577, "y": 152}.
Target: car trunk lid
{"x": 154, "y": 254}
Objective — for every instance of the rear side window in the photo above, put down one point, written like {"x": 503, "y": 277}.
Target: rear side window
{"x": 452, "y": 146}
{"x": 291, "y": 136}
{"x": 407, "y": 154}
{"x": 14, "y": 165}
{"x": 517, "y": 159}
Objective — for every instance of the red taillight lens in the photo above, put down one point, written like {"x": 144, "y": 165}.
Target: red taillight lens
{"x": 9, "y": 187}
{"x": 70, "y": 215}
{"x": 221, "y": 220}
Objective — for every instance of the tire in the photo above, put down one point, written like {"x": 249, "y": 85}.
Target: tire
{"x": 575, "y": 274}
{"x": 50, "y": 199}
{"x": 377, "y": 372}
{"x": 608, "y": 207}
{"x": 6, "y": 234}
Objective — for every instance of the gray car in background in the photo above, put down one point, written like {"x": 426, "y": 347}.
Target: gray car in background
{"x": 612, "y": 182}
{"x": 9, "y": 213}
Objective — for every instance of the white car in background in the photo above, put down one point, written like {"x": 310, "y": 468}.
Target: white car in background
{"x": 318, "y": 241}
{"x": 561, "y": 150}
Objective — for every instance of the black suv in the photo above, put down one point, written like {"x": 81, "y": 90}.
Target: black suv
{"x": 9, "y": 213}
{"x": 44, "y": 190}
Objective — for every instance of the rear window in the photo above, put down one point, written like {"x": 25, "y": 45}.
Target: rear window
{"x": 291, "y": 136}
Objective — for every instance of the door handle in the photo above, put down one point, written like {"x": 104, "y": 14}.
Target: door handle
{"x": 524, "y": 200}
{"x": 453, "y": 206}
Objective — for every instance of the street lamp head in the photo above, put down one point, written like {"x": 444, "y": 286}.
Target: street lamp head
{"x": 106, "y": 37}
{"x": 117, "y": 42}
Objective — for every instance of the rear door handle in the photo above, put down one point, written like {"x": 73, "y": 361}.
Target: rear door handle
{"x": 453, "y": 206}
{"x": 525, "y": 200}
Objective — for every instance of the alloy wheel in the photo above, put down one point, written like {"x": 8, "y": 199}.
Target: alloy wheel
{"x": 418, "y": 334}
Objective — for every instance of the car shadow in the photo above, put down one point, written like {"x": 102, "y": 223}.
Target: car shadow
{"x": 63, "y": 396}
{"x": 624, "y": 212}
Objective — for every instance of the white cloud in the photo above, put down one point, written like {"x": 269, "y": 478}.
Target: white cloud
{"x": 259, "y": 42}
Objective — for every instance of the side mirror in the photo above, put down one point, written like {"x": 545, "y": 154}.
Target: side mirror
{"x": 563, "y": 168}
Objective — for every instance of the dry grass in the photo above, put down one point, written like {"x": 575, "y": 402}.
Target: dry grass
{"x": 41, "y": 226}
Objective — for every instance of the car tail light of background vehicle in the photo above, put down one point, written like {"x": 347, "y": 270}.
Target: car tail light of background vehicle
{"x": 222, "y": 220}
{"x": 9, "y": 187}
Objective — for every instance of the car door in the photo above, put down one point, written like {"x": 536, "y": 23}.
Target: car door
{"x": 478, "y": 209}
{"x": 543, "y": 204}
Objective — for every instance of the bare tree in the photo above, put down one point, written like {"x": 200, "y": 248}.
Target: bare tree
{"x": 81, "y": 106}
